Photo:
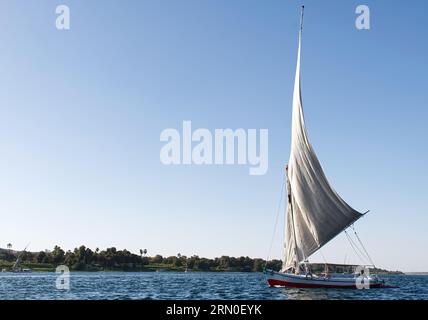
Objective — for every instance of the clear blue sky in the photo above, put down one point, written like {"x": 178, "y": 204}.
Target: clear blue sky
{"x": 81, "y": 112}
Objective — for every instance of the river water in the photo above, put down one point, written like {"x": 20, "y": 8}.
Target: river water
{"x": 191, "y": 285}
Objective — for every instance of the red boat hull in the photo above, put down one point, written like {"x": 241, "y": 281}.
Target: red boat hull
{"x": 278, "y": 279}
{"x": 281, "y": 283}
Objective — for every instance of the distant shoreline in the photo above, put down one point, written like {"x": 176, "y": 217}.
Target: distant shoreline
{"x": 190, "y": 271}
{"x": 416, "y": 273}
{"x": 113, "y": 260}
{"x": 197, "y": 271}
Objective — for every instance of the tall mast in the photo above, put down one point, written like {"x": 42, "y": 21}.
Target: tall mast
{"x": 290, "y": 199}
{"x": 290, "y": 203}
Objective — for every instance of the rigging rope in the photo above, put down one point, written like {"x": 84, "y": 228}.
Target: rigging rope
{"x": 325, "y": 262}
{"x": 353, "y": 246}
{"x": 322, "y": 255}
{"x": 276, "y": 222}
{"x": 362, "y": 245}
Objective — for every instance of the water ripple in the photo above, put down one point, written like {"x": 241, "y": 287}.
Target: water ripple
{"x": 192, "y": 285}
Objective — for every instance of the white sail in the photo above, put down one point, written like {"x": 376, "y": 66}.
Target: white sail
{"x": 315, "y": 212}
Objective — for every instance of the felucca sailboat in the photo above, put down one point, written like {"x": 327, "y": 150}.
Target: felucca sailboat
{"x": 315, "y": 212}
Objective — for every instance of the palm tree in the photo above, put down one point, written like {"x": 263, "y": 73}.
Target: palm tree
{"x": 145, "y": 251}
{"x": 9, "y": 246}
{"x": 141, "y": 252}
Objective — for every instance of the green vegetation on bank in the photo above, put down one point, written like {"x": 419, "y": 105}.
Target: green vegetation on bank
{"x": 111, "y": 259}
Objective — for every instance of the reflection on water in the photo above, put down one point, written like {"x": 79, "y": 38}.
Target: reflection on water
{"x": 305, "y": 294}
{"x": 192, "y": 285}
